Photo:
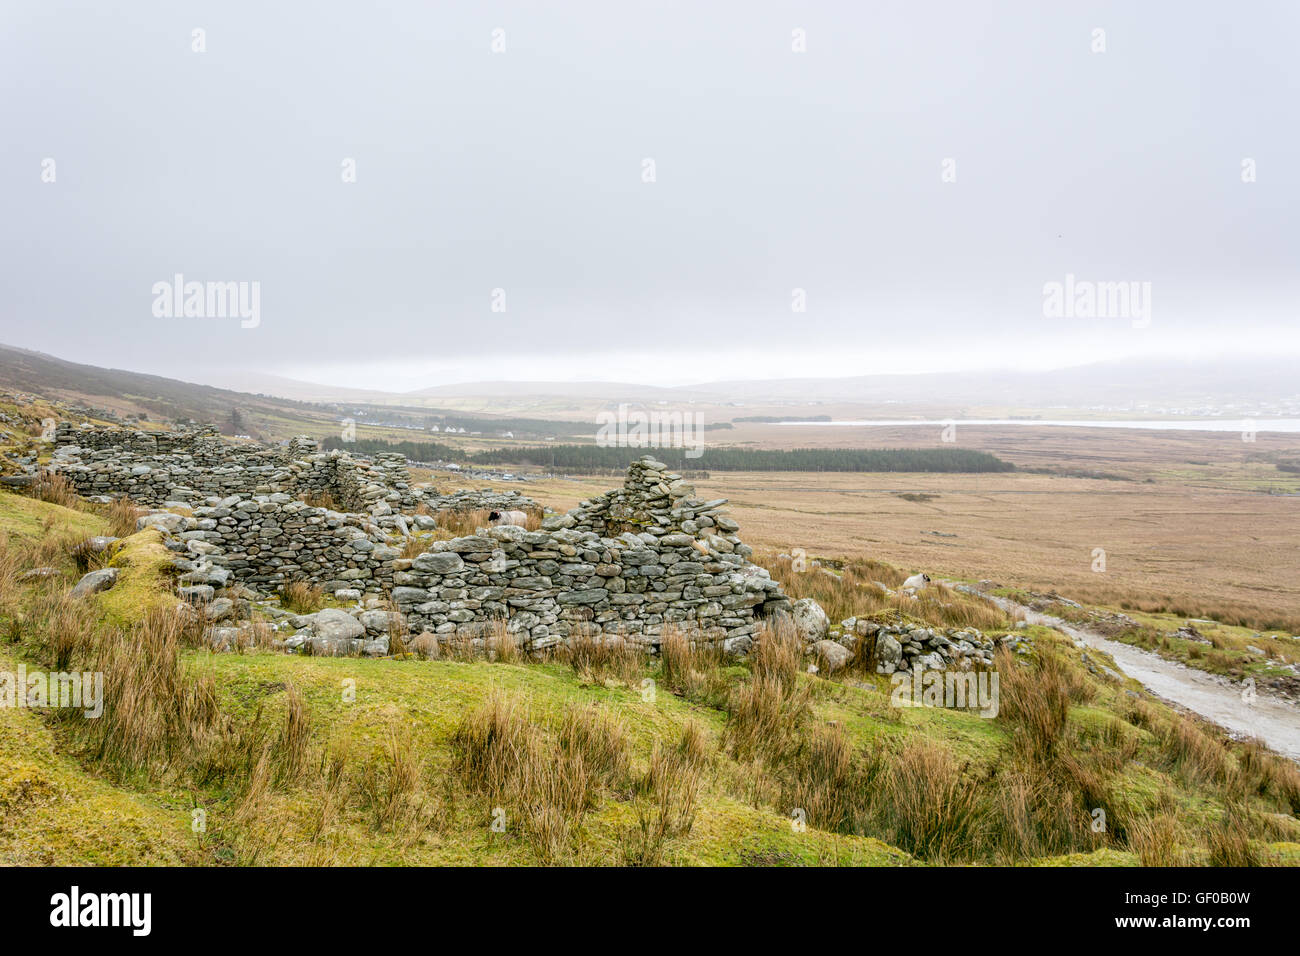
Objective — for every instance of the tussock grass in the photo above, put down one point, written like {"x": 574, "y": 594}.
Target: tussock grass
{"x": 597, "y": 657}
{"x": 162, "y": 711}
{"x": 1035, "y": 700}
{"x": 121, "y": 516}
{"x": 666, "y": 798}
{"x": 53, "y": 488}
{"x": 826, "y": 780}
{"x": 399, "y": 631}
{"x": 302, "y": 597}
{"x": 1156, "y": 841}
{"x": 858, "y": 590}
{"x": 765, "y": 720}
{"x": 693, "y": 669}
{"x": 59, "y": 629}
{"x": 778, "y": 652}
{"x": 11, "y": 565}
{"x": 1263, "y": 773}
{"x": 1192, "y": 752}
{"x": 546, "y": 782}
{"x": 930, "y": 808}
{"x": 1230, "y": 842}
{"x": 390, "y": 782}
{"x": 295, "y": 736}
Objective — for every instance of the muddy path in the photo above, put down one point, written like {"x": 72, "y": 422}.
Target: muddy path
{"x": 1272, "y": 720}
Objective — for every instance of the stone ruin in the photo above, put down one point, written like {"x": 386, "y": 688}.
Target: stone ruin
{"x": 627, "y": 563}
{"x": 186, "y": 467}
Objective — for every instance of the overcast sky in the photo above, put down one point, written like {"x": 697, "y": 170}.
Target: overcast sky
{"x": 525, "y": 171}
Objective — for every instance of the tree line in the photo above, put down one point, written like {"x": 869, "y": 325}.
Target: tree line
{"x": 596, "y": 458}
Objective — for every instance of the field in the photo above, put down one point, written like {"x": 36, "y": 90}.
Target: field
{"x": 1191, "y": 527}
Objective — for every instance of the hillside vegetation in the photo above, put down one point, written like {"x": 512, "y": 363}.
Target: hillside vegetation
{"x": 592, "y": 756}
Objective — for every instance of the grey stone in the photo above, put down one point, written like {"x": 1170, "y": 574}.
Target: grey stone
{"x": 94, "y": 582}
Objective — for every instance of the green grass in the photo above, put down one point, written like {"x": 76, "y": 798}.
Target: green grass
{"x": 60, "y": 806}
{"x": 27, "y": 519}
{"x": 54, "y": 813}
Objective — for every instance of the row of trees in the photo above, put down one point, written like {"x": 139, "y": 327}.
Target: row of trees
{"x": 596, "y": 458}
{"x": 723, "y": 458}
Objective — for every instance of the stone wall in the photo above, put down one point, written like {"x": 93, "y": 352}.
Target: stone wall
{"x": 545, "y": 584}
{"x": 153, "y": 468}
{"x": 628, "y": 562}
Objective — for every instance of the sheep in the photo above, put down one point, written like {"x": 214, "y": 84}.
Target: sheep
{"x": 917, "y": 582}
{"x": 516, "y": 518}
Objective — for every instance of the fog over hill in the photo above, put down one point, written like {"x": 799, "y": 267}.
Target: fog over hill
{"x": 1200, "y": 386}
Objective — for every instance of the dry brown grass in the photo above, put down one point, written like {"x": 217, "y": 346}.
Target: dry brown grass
{"x": 855, "y": 591}
{"x": 766, "y": 719}
{"x": 826, "y": 781}
{"x": 53, "y": 488}
{"x": 1193, "y": 752}
{"x": 597, "y": 657}
{"x": 302, "y": 597}
{"x": 58, "y": 628}
{"x": 1230, "y": 840}
{"x": 930, "y": 807}
{"x": 162, "y": 712}
{"x": 1035, "y": 699}
{"x": 692, "y": 668}
{"x": 390, "y": 782}
{"x": 1157, "y": 841}
{"x": 321, "y": 499}
{"x": 1038, "y": 532}
{"x": 295, "y": 736}
{"x": 121, "y": 515}
{"x": 778, "y": 652}
{"x": 666, "y": 798}
{"x": 11, "y": 566}
{"x": 460, "y": 523}
{"x": 503, "y": 645}
{"x": 1261, "y": 772}
{"x": 546, "y": 783}
{"x": 417, "y": 544}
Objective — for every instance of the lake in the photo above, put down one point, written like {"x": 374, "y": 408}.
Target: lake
{"x": 1285, "y": 425}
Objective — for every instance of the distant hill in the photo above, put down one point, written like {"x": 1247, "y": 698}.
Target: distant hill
{"x": 1163, "y": 384}
{"x": 134, "y": 393}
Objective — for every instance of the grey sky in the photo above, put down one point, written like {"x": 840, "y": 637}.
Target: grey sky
{"x": 523, "y": 170}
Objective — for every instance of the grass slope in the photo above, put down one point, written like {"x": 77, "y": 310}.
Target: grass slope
{"x": 299, "y": 760}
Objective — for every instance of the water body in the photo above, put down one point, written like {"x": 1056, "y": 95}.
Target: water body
{"x": 1284, "y": 425}
{"x": 1271, "y": 719}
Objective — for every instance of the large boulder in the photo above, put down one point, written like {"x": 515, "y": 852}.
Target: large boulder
{"x": 888, "y": 654}
{"x": 164, "y": 520}
{"x": 333, "y": 631}
{"x": 810, "y": 620}
{"x": 220, "y": 609}
{"x": 375, "y": 622}
{"x": 831, "y": 656}
{"x": 94, "y": 582}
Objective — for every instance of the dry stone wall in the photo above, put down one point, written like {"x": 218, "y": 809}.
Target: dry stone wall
{"x": 153, "y": 468}
{"x": 629, "y": 562}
